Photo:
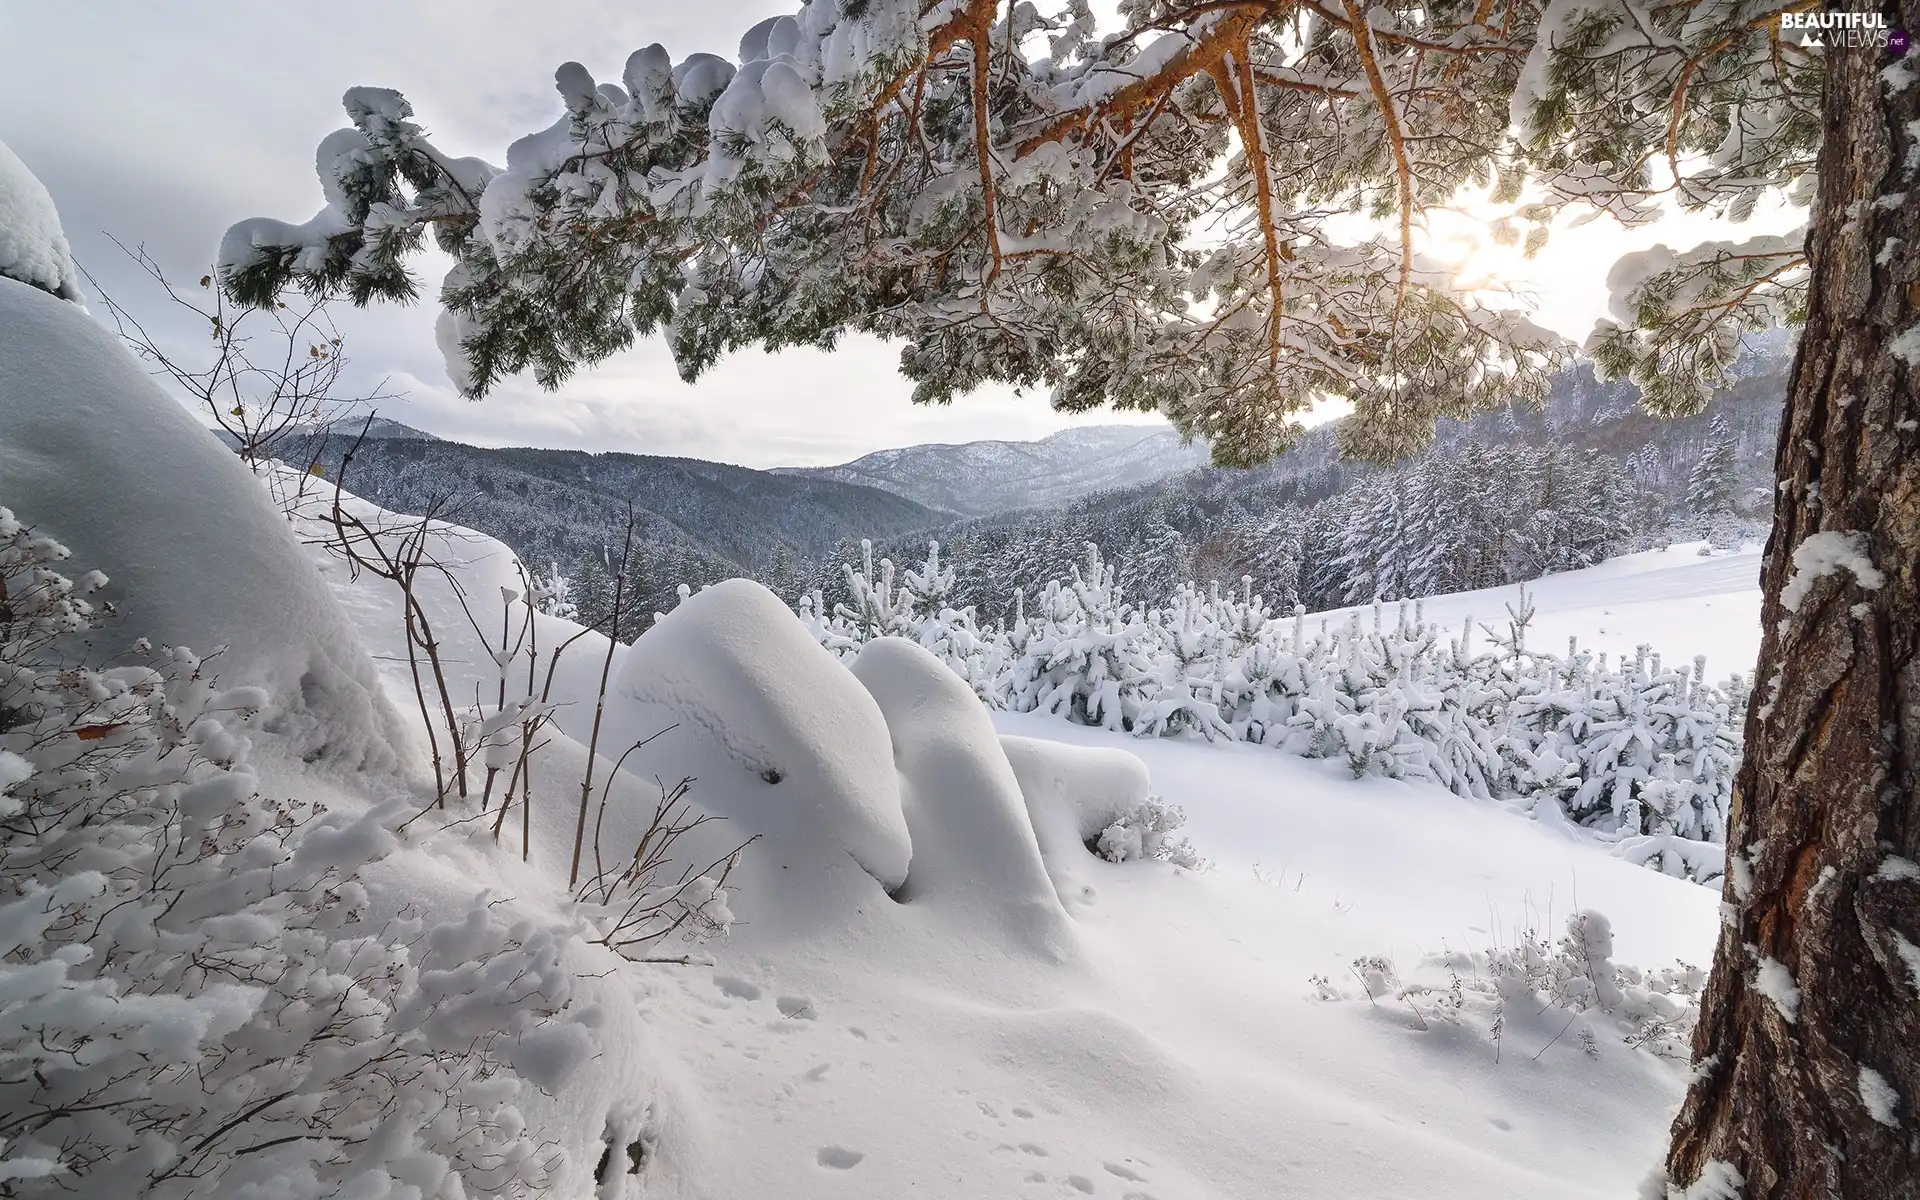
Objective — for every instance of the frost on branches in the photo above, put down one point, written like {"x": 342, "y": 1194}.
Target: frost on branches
{"x": 1638, "y": 753}
{"x": 195, "y": 999}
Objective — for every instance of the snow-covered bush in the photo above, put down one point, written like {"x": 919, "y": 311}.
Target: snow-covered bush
{"x": 638, "y": 901}
{"x": 1639, "y": 754}
{"x": 1534, "y": 981}
{"x": 1146, "y": 833}
{"x": 195, "y": 996}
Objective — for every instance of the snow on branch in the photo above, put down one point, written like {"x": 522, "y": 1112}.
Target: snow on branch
{"x": 1678, "y": 316}
{"x": 1137, "y": 220}
{"x": 196, "y": 997}
{"x": 33, "y": 246}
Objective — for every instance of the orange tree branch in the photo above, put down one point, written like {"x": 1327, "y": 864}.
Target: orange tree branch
{"x": 1390, "y": 117}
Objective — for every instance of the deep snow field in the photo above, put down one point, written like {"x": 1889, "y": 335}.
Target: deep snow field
{"x": 931, "y": 988}
{"x": 1155, "y": 1031}
{"x": 1678, "y": 601}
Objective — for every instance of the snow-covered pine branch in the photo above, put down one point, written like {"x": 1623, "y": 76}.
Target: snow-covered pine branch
{"x": 1638, "y": 109}
{"x": 1138, "y": 219}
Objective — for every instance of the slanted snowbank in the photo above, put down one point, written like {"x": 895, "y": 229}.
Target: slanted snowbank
{"x": 974, "y": 849}
{"x": 33, "y": 247}
{"x": 92, "y": 451}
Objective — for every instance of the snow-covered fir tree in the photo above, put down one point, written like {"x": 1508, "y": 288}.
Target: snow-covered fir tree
{"x": 1637, "y": 753}
{"x": 592, "y": 591}
{"x": 1711, "y": 486}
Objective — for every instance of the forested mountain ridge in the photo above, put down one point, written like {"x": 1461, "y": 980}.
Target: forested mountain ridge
{"x": 1509, "y": 495}
{"x": 980, "y": 478}
{"x": 695, "y": 522}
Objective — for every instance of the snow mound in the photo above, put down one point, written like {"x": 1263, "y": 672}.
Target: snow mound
{"x": 93, "y": 453}
{"x": 973, "y": 842}
{"x": 33, "y": 248}
{"x": 1073, "y": 795}
{"x": 736, "y": 666}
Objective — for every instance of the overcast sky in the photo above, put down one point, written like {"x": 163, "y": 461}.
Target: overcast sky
{"x": 164, "y": 121}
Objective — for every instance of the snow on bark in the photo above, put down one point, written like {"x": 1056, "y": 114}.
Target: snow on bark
{"x": 1882, "y": 1102}
{"x": 1825, "y": 553}
{"x": 1718, "y": 1180}
{"x": 1906, "y": 347}
{"x": 1772, "y": 979}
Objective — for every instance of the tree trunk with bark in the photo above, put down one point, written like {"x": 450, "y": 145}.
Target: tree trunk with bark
{"x": 1807, "y": 1058}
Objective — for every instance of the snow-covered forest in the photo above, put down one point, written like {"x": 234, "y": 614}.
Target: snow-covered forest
{"x": 1505, "y": 498}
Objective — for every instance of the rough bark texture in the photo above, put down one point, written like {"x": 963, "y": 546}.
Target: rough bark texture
{"x": 1826, "y": 821}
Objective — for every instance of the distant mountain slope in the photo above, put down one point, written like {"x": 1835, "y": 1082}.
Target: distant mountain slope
{"x": 380, "y": 427}
{"x": 698, "y": 522}
{"x": 977, "y": 478}
{"x": 1210, "y": 523}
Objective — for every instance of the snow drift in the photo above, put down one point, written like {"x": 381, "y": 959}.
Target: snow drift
{"x": 736, "y": 665}
{"x": 94, "y": 453}
{"x": 1073, "y": 794}
{"x": 973, "y": 844}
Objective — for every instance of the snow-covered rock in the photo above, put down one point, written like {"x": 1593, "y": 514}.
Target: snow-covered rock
{"x": 973, "y": 844}
{"x": 94, "y": 453}
{"x": 737, "y": 669}
{"x": 33, "y": 247}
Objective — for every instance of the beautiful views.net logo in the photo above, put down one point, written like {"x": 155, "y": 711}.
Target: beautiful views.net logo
{"x": 1843, "y": 29}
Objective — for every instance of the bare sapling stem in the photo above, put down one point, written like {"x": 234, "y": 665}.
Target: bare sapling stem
{"x": 600, "y": 699}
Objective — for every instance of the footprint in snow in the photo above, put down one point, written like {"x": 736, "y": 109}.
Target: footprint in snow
{"x": 1122, "y": 1172}
{"x": 1081, "y": 1183}
{"x": 839, "y": 1158}
{"x": 797, "y": 1008}
{"x": 1036, "y": 1151}
{"x": 735, "y": 986}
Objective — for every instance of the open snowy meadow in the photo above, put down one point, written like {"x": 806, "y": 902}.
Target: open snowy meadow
{"x": 1310, "y": 1014}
